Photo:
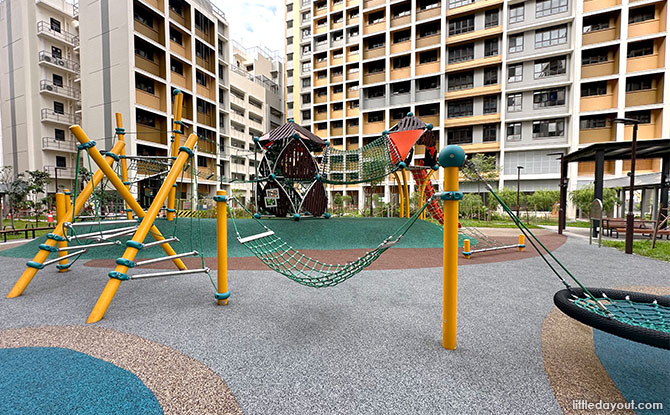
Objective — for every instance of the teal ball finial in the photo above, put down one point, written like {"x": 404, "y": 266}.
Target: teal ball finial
{"x": 410, "y": 114}
{"x": 296, "y": 217}
{"x": 317, "y": 177}
{"x": 296, "y": 136}
{"x": 327, "y": 143}
{"x": 273, "y": 176}
{"x": 176, "y": 91}
{"x": 291, "y": 120}
{"x": 326, "y": 215}
{"x": 256, "y": 139}
{"x": 257, "y": 215}
{"x": 451, "y": 156}
{"x": 385, "y": 132}
{"x": 402, "y": 165}
{"x": 435, "y": 167}
{"x": 429, "y": 126}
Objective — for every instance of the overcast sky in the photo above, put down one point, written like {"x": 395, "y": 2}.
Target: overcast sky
{"x": 256, "y": 22}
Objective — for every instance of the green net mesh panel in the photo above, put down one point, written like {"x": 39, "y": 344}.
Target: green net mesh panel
{"x": 648, "y": 315}
{"x": 369, "y": 163}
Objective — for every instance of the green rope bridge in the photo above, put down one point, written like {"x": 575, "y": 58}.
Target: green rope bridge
{"x": 279, "y": 256}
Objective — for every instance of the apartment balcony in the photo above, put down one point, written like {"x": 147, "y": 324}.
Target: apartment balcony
{"x": 149, "y": 100}
{"x": 183, "y": 20}
{"x": 374, "y": 28}
{"x": 335, "y": 26}
{"x": 400, "y": 99}
{"x": 588, "y": 168}
{"x": 645, "y": 131}
{"x": 373, "y": 78}
{"x": 429, "y": 13}
{"x": 181, "y": 50}
{"x": 48, "y": 59}
{"x": 337, "y": 61}
{"x": 374, "y": 53}
{"x": 334, "y": 79}
{"x": 336, "y": 7}
{"x": 321, "y": 64}
{"x": 321, "y": 99}
{"x": 473, "y": 92}
{"x": 181, "y": 81}
{"x": 63, "y": 172}
{"x": 254, "y": 123}
{"x": 50, "y": 143}
{"x": 401, "y": 73}
{"x": 47, "y": 114}
{"x": 336, "y": 132}
{"x": 600, "y": 36}
{"x": 648, "y": 27}
{"x": 206, "y": 92}
{"x": 477, "y": 5}
{"x": 207, "y": 37}
{"x": 155, "y": 3}
{"x": 48, "y": 87}
{"x": 152, "y": 67}
{"x": 238, "y": 134}
{"x": 600, "y": 69}
{"x": 474, "y": 63}
{"x": 151, "y": 134}
{"x": 336, "y": 97}
{"x": 427, "y": 94}
{"x": 353, "y": 112}
{"x": 645, "y": 63}
{"x": 644, "y": 97}
{"x": 353, "y": 3}
{"x": 321, "y": 116}
{"x": 321, "y": 81}
{"x": 401, "y": 21}
{"x": 44, "y": 30}
{"x": 373, "y": 127}
{"x": 591, "y": 5}
{"x": 598, "y": 102}
{"x": 352, "y": 130}
{"x": 431, "y": 119}
{"x": 597, "y": 135}
{"x": 401, "y": 47}
{"x": 472, "y": 120}
{"x": 422, "y": 42}
{"x": 321, "y": 12}
{"x": 373, "y": 3}
{"x": 353, "y": 57}
{"x": 353, "y": 21}
{"x": 427, "y": 68}
{"x": 481, "y": 147}
{"x": 474, "y": 35}
{"x": 149, "y": 32}
{"x": 239, "y": 118}
{"x": 353, "y": 93}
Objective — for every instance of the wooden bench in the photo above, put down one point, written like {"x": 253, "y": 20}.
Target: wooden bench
{"x": 614, "y": 225}
{"x": 647, "y": 231}
{"x": 25, "y": 231}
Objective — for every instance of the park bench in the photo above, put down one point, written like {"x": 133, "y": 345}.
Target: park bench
{"x": 647, "y": 231}
{"x": 26, "y": 231}
{"x": 615, "y": 225}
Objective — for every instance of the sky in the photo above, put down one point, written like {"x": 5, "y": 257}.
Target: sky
{"x": 256, "y": 22}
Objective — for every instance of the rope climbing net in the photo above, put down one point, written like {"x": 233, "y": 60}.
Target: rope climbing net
{"x": 279, "y": 256}
{"x": 647, "y": 315}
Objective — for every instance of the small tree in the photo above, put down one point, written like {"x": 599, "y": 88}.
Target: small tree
{"x": 543, "y": 200}
{"x": 338, "y": 202}
{"x": 37, "y": 182}
{"x": 508, "y": 196}
{"x": 17, "y": 190}
{"x": 6, "y": 177}
{"x": 346, "y": 201}
{"x": 471, "y": 202}
{"x": 583, "y": 198}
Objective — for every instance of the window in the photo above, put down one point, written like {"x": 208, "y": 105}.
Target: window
{"x": 201, "y": 106}
{"x": 373, "y": 67}
{"x": 643, "y": 48}
{"x": 516, "y": 43}
{"x": 201, "y": 22}
{"x": 459, "y": 3}
{"x": 375, "y": 43}
{"x": 515, "y": 73}
{"x": 202, "y": 161}
{"x": 491, "y": 47}
{"x": 55, "y": 25}
{"x": 376, "y": 17}
{"x": 462, "y": 53}
{"x": 551, "y": 37}
{"x": 175, "y": 36}
{"x": 377, "y": 116}
{"x": 61, "y": 161}
{"x": 461, "y": 135}
{"x": 642, "y": 14}
{"x": 594, "y": 89}
{"x": 145, "y": 118}
{"x": 143, "y": 83}
{"x": 491, "y": 18}
{"x": 59, "y": 134}
{"x": 514, "y": 102}
{"x": 594, "y": 56}
{"x": 177, "y": 7}
{"x": 639, "y": 83}
{"x": 57, "y": 80}
{"x": 428, "y": 4}
{"x": 59, "y": 108}
{"x": 377, "y": 91}
{"x": 593, "y": 121}
{"x": 430, "y": 29}
{"x": 595, "y": 23}
{"x": 306, "y": 82}
{"x": 401, "y": 62}
{"x": 550, "y": 67}
{"x": 401, "y": 88}
{"x": 428, "y": 56}
{"x": 491, "y": 75}
{"x": 176, "y": 66}
{"x": 516, "y": 13}
{"x": 514, "y": 131}
{"x": 144, "y": 16}
{"x": 462, "y": 25}
{"x": 56, "y": 52}
{"x": 289, "y": 24}
{"x": 428, "y": 83}
{"x": 202, "y": 51}
{"x": 144, "y": 52}
{"x": 463, "y": 80}
{"x": 489, "y": 133}
{"x": 490, "y": 104}
{"x": 549, "y": 7}
{"x": 460, "y": 108}
{"x": 549, "y": 128}
{"x": 549, "y": 98}
{"x": 201, "y": 78}
{"x": 643, "y": 117}
{"x": 401, "y": 36}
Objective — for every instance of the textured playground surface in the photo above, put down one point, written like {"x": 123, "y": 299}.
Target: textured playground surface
{"x": 370, "y": 345}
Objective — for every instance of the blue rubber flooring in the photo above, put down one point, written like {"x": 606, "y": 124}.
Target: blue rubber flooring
{"x": 51, "y": 380}
{"x": 641, "y": 372}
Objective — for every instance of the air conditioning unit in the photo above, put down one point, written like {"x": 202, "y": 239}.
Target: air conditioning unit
{"x": 60, "y": 62}
{"x": 46, "y": 58}
{"x": 49, "y": 87}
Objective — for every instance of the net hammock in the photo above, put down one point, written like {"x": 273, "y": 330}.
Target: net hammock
{"x": 280, "y": 257}
{"x": 366, "y": 164}
{"x": 639, "y": 317}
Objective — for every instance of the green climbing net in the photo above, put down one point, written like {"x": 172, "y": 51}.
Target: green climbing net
{"x": 648, "y": 315}
{"x": 284, "y": 259}
{"x": 365, "y": 164}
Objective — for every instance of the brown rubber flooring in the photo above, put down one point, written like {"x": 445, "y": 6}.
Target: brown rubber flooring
{"x": 395, "y": 258}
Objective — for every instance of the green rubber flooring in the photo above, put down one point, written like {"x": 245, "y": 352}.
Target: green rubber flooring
{"x": 323, "y": 234}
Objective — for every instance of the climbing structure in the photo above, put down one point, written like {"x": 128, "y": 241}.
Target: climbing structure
{"x": 287, "y": 183}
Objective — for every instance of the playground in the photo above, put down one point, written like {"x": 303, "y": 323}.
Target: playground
{"x": 289, "y": 310}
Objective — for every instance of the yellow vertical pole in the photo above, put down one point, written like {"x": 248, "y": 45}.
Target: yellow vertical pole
{"x": 405, "y": 185}
{"x": 61, "y": 210}
{"x": 145, "y": 226}
{"x": 124, "y": 163}
{"x": 176, "y": 138}
{"x": 466, "y": 249}
{"x": 522, "y": 242}
{"x": 451, "y": 158}
{"x": 401, "y": 194}
{"x": 42, "y": 255}
{"x": 221, "y": 247}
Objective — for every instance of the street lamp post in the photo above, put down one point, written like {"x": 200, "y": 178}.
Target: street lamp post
{"x": 563, "y": 193}
{"x": 518, "y": 189}
{"x": 630, "y": 218}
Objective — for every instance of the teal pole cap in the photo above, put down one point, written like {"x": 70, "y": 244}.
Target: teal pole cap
{"x": 410, "y": 114}
{"x": 290, "y": 120}
{"x": 256, "y": 139}
{"x": 451, "y": 156}
{"x": 257, "y": 215}
{"x": 429, "y": 126}
{"x": 327, "y": 143}
{"x": 385, "y": 132}
{"x": 296, "y": 217}
{"x": 402, "y": 165}
{"x": 176, "y": 91}
{"x": 326, "y": 215}
{"x": 296, "y": 136}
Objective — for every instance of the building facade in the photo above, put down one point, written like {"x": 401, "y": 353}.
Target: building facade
{"x": 518, "y": 79}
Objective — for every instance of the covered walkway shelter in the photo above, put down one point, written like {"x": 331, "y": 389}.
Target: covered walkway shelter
{"x": 621, "y": 150}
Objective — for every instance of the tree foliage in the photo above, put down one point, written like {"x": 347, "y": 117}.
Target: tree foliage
{"x": 508, "y": 196}
{"x": 485, "y": 165}
{"x": 583, "y": 198}
{"x": 543, "y": 200}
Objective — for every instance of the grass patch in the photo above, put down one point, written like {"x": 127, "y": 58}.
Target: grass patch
{"x": 662, "y": 250}
{"x": 19, "y": 225}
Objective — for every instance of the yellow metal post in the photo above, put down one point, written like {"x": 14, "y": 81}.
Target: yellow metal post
{"x": 42, "y": 255}
{"x": 401, "y": 194}
{"x": 176, "y": 138}
{"x": 451, "y": 158}
{"x": 124, "y": 163}
{"x": 522, "y": 242}
{"x": 466, "y": 249}
{"x": 61, "y": 211}
{"x": 405, "y": 184}
{"x": 222, "y": 247}
{"x": 145, "y": 226}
